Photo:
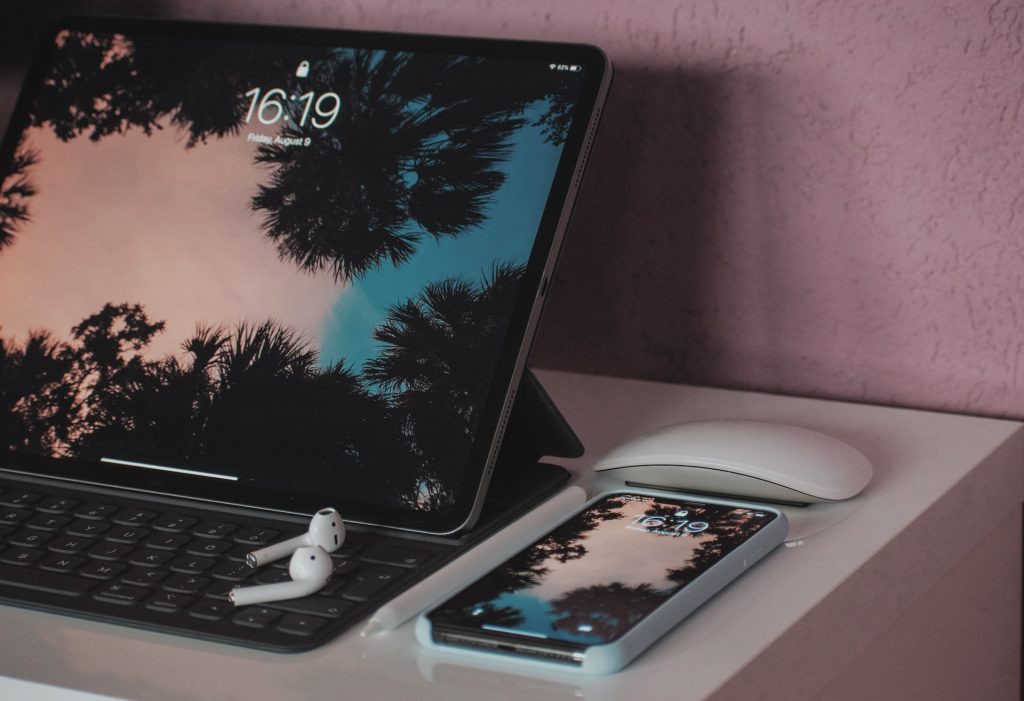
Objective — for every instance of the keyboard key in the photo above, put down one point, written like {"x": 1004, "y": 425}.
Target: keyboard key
{"x": 238, "y": 553}
{"x": 94, "y": 511}
{"x": 69, "y": 545}
{"x": 140, "y": 577}
{"x": 168, "y": 602}
{"x": 109, "y": 551}
{"x": 40, "y": 580}
{"x": 133, "y": 517}
{"x": 166, "y": 541}
{"x": 220, "y": 589}
{"x": 21, "y": 556}
{"x": 147, "y": 557}
{"x": 315, "y": 606}
{"x": 192, "y": 564}
{"x": 120, "y": 593}
{"x": 214, "y": 529}
{"x": 127, "y": 534}
{"x": 211, "y": 609}
{"x": 297, "y": 624}
{"x": 333, "y": 586}
{"x": 255, "y": 536}
{"x": 172, "y": 523}
{"x": 12, "y": 517}
{"x": 232, "y": 571}
{"x": 351, "y": 546}
{"x": 272, "y": 576}
{"x": 186, "y": 583}
{"x": 60, "y": 563}
{"x": 87, "y": 529}
{"x": 370, "y": 580}
{"x": 30, "y": 539}
{"x": 47, "y": 522}
{"x": 210, "y": 548}
{"x": 19, "y": 498}
{"x": 390, "y": 555}
{"x": 97, "y": 569}
{"x": 343, "y": 567}
{"x": 255, "y": 616}
{"x": 56, "y": 505}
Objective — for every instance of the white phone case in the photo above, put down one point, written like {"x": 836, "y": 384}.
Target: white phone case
{"x": 613, "y": 656}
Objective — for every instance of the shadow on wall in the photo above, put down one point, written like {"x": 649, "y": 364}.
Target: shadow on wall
{"x": 710, "y": 241}
{"x": 628, "y": 269}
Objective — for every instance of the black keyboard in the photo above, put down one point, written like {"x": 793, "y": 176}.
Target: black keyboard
{"x": 170, "y": 568}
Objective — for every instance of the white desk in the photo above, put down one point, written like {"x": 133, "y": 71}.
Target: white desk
{"x": 915, "y": 594}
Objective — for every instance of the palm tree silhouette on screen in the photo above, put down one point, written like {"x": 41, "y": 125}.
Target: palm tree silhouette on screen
{"x": 35, "y": 402}
{"x": 408, "y": 156}
{"x": 104, "y": 84}
{"x": 249, "y": 399}
{"x": 253, "y": 398}
{"x": 15, "y": 191}
{"x": 606, "y": 610}
{"x": 274, "y": 407}
{"x": 728, "y": 531}
{"x": 416, "y": 150}
{"x": 441, "y": 348}
{"x": 528, "y": 568}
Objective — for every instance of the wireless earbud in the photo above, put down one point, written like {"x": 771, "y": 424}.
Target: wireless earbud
{"x": 326, "y": 530}
{"x": 310, "y": 568}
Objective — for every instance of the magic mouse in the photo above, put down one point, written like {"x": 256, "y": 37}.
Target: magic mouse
{"x": 755, "y": 459}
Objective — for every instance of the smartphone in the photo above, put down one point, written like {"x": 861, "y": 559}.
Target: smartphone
{"x": 608, "y": 581}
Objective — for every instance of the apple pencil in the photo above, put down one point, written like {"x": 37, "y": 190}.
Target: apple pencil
{"x": 477, "y": 561}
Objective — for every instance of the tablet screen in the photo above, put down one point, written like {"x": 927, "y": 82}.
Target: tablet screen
{"x": 277, "y": 267}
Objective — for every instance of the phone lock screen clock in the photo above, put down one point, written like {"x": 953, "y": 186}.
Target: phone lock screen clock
{"x": 612, "y": 578}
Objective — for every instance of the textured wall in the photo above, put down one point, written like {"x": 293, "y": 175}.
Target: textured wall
{"x": 822, "y": 198}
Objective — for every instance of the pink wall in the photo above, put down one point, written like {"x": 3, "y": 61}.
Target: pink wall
{"x": 821, "y": 198}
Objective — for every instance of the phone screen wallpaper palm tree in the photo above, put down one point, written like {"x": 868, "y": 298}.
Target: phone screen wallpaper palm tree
{"x": 283, "y": 263}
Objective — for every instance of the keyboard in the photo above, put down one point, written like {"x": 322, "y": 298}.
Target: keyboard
{"x": 169, "y": 568}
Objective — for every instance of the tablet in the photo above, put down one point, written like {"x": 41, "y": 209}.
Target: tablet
{"x": 282, "y": 268}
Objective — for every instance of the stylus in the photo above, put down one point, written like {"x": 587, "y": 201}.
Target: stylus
{"x": 480, "y": 559}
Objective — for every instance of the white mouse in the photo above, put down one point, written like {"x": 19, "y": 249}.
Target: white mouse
{"x": 756, "y": 459}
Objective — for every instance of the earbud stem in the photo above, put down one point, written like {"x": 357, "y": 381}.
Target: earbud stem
{"x": 258, "y": 558}
{"x": 245, "y": 596}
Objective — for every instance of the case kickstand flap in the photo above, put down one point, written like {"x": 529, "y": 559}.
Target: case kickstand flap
{"x": 520, "y": 481}
{"x": 536, "y": 427}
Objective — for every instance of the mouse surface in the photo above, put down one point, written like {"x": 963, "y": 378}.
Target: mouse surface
{"x": 756, "y": 459}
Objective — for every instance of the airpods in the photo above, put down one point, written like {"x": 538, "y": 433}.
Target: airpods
{"x": 310, "y": 568}
{"x": 326, "y": 530}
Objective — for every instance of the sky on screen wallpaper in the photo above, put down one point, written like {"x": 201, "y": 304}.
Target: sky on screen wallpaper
{"x": 234, "y": 257}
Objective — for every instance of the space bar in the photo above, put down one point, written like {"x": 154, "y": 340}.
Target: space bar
{"x": 39, "y": 580}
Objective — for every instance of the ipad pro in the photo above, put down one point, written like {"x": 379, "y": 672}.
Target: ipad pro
{"x": 280, "y": 268}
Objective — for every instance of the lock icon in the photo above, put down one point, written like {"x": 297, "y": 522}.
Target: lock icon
{"x": 303, "y": 70}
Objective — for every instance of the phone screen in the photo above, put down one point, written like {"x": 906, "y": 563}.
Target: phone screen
{"x": 598, "y": 574}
